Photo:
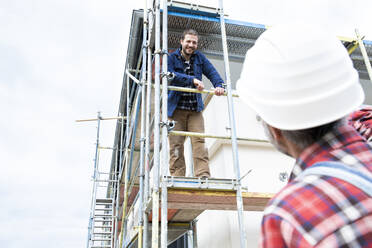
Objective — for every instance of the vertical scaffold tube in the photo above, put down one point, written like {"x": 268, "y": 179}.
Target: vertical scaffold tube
{"x": 92, "y": 203}
{"x": 148, "y": 112}
{"x": 126, "y": 172}
{"x": 155, "y": 189}
{"x": 133, "y": 131}
{"x": 148, "y": 119}
{"x": 118, "y": 178}
{"x": 239, "y": 200}
{"x": 143, "y": 109}
{"x": 140, "y": 232}
{"x": 114, "y": 191}
{"x": 164, "y": 193}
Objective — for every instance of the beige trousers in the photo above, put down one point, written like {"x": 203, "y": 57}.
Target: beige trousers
{"x": 190, "y": 121}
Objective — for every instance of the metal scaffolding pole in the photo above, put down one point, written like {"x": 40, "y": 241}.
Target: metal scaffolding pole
{"x": 118, "y": 178}
{"x": 145, "y": 230}
{"x": 113, "y": 194}
{"x": 147, "y": 124}
{"x": 92, "y": 208}
{"x": 210, "y": 92}
{"x": 126, "y": 165}
{"x": 142, "y": 140}
{"x": 103, "y": 119}
{"x": 180, "y": 89}
{"x": 156, "y": 178}
{"x": 133, "y": 131}
{"x": 164, "y": 191}
{"x": 203, "y": 135}
{"x": 239, "y": 199}
{"x": 365, "y": 54}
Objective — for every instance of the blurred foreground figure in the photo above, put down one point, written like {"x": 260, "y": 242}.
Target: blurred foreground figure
{"x": 302, "y": 84}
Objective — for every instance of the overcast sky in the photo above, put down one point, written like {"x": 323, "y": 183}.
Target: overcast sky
{"x": 62, "y": 60}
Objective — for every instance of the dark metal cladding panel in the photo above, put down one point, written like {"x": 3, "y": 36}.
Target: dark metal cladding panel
{"x": 239, "y": 37}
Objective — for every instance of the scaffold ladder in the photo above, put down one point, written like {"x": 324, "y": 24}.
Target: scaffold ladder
{"x": 105, "y": 193}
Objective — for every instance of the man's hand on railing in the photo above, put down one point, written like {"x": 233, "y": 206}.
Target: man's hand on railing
{"x": 219, "y": 91}
{"x": 198, "y": 84}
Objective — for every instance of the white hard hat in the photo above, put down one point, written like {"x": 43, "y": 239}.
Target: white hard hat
{"x": 298, "y": 78}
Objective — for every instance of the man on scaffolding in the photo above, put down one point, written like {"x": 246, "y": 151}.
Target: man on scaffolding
{"x": 187, "y": 65}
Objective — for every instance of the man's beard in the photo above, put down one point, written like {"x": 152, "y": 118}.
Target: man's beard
{"x": 188, "y": 53}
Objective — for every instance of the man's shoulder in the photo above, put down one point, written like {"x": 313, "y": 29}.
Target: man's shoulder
{"x": 199, "y": 54}
{"x": 306, "y": 203}
{"x": 174, "y": 53}
{"x": 311, "y": 191}
{"x": 287, "y": 198}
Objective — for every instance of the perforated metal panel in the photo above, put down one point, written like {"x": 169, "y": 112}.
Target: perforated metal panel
{"x": 239, "y": 37}
{"x": 359, "y": 62}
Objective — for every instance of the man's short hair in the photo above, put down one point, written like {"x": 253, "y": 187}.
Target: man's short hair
{"x": 306, "y": 137}
{"x": 189, "y": 31}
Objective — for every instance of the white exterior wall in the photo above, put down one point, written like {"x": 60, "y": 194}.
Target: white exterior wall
{"x": 220, "y": 228}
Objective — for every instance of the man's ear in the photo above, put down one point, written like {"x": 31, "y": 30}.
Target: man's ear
{"x": 276, "y": 133}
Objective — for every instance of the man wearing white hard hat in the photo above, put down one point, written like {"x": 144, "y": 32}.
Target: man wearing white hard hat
{"x": 302, "y": 84}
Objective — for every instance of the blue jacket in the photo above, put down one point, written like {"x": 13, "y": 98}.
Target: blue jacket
{"x": 201, "y": 66}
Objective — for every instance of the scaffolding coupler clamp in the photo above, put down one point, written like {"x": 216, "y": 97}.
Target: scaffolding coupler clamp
{"x": 203, "y": 183}
{"x": 170, "y": 75}
{"x": 169, "y": 181}
{"x": 283, "y": 176}
{"x": 169, "y": 124}
{"x": 236, "y": 184}
{"x": 161, "y": 52}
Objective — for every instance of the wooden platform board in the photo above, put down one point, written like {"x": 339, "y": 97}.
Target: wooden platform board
{"x": 186, "y": 204}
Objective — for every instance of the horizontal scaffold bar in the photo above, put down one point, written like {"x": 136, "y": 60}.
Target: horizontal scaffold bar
{"x": 199, "y": 183}
{"x": 106, "y": 148}
{"x": 104, "y": 119}
{"x": 203, "y": 135}
{"x": 181, "y": 89}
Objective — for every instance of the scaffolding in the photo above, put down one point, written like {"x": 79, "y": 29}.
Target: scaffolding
{"x": 161, "y": 182}
{"x": 137, "y": 202}
{"x": 103, "y": 218}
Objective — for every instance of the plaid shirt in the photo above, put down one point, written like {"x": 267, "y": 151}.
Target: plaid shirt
{"x": 361, "y": 120}
{"x": 188, "y": 100}
{"x": 323, "y": 211}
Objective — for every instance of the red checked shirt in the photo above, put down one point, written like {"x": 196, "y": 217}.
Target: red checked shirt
{"x": 361, "y": 120}
{"x": 322, "y": 211}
